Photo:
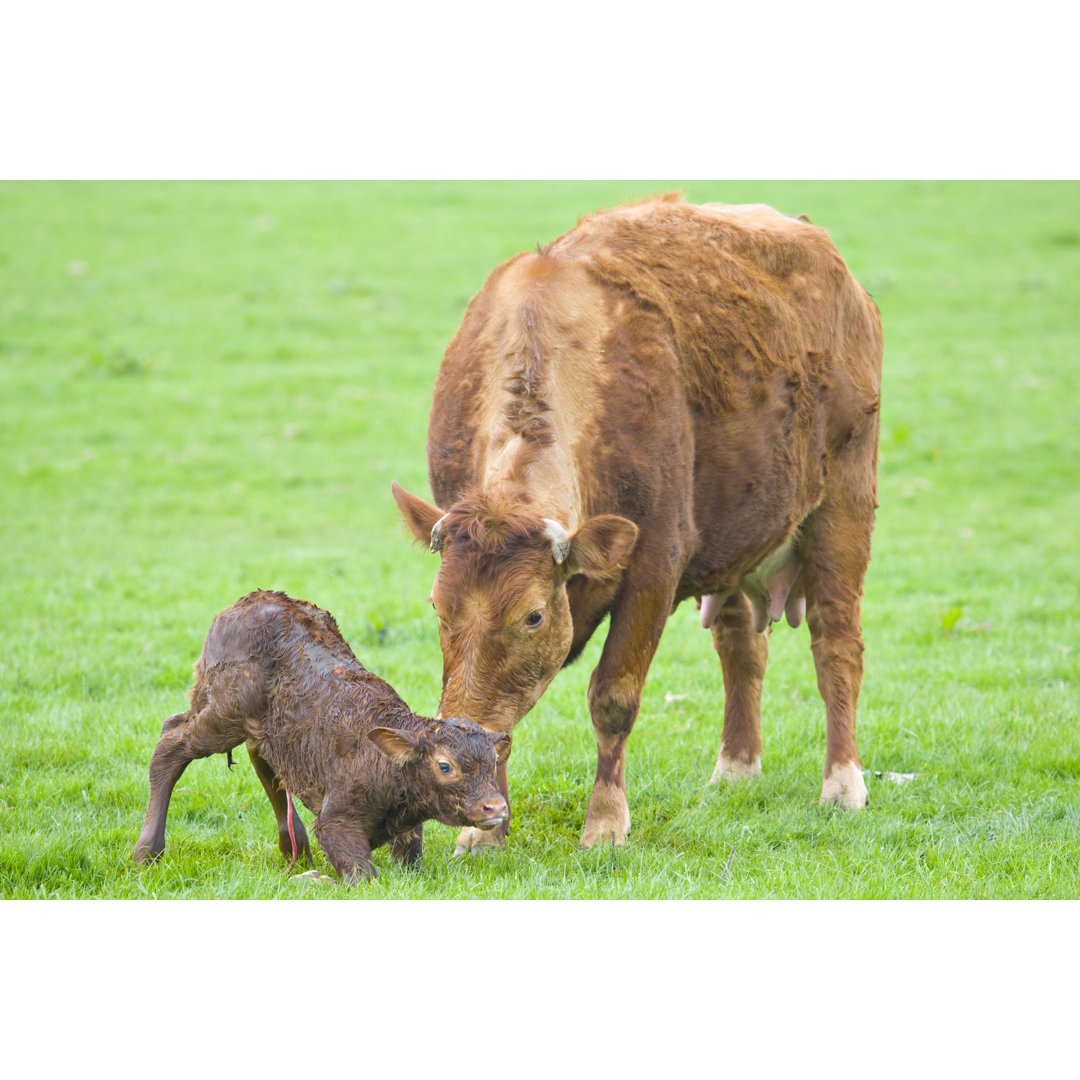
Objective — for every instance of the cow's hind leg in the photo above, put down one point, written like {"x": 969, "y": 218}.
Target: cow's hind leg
{"x": 743, "y": 653}
{"x": 836, "y": 551}
{"x": 183, "y": 739}
{"x": 279, "y": 800}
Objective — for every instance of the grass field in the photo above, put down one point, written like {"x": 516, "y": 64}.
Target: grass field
{"x": 208, "y": 388}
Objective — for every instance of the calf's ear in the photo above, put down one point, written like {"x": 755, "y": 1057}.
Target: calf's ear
{"x": 599, "y": 547}
{"x": 501, "y": 742}
{"x": 399, "y": 746}
{"x": 419, "y": 516}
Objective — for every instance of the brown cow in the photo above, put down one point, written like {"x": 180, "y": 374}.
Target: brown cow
{"x": 669, "y": 401}
{"x": 276, "y": 673}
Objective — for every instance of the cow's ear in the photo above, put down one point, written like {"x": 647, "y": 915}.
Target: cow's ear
{"x": 420, "y": 516}
{"x": 598, "y": 549}
{"x": 399, "y": 746}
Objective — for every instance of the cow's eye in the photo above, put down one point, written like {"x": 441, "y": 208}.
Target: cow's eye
{"x": 443, "y": 767}
{"x": 534, "y": 619}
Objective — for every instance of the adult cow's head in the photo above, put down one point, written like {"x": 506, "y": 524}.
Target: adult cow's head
{"x": 500, "y": 596}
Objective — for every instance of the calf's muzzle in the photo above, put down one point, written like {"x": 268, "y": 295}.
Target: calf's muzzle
{"x": 492, "y": 812}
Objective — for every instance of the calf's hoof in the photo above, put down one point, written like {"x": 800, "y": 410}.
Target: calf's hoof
{"x": 146, "y": 851}
{"x": 733, "y": 769}
{"x": 302, "y": 854}
{"x": 358, "y": 875}
{"x": 844, "y": 786}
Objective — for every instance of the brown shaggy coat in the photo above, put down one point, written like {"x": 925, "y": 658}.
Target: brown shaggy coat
{"x": 275, "y": 673}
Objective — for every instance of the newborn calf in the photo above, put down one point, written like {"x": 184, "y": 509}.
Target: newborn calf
{"x": 276, "y": 674}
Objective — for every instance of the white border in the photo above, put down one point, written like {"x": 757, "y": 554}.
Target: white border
{"x": 334, "y": 90}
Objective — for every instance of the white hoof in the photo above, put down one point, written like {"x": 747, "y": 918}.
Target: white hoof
{"x": 845, "y": 787}
{"x": 473, "y": 841}
{"x": 607, "y": 817}
{"x": 731, "y": 769}
{"x": 311, "y": 875}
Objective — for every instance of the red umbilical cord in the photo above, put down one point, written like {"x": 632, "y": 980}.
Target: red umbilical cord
{"x": 292, "y": 835}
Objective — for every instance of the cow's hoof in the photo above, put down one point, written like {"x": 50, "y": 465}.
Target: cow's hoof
{"x": 733, "y": 769}
{"x": 844, "y": 786}
{"x": 604, "y": 833}
{"x": 608, "y": 817}
{"x": 472, "y": 841}
{"x": 311, "y": 875}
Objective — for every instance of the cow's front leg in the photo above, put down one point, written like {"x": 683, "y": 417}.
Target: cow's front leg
{"x": 472, "y": 841}
{"x": 614, "y": 699}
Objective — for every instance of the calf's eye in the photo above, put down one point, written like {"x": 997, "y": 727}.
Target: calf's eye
{"x": 534, "y": 619}
{"x": 443, "y": 767}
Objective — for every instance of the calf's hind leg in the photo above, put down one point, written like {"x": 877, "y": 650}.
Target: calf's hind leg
{"x": 166, "y": 766}
{"x": 183, "y": 739}
{"x": 279, "y": 800}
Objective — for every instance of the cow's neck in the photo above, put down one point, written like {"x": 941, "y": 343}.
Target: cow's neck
{"x": 550, "y": 477}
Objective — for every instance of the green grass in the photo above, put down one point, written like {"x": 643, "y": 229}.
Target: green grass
{"x": 208, "y": 388}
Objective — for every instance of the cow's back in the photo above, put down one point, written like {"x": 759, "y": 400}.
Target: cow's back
{"x": 747, "y": 291}
{"x": 663, "y": 361}
{"x": 780, "y": 358}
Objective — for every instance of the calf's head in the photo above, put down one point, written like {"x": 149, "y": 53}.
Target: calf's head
{"x": 500, "y": 596}
{"x": 450, "y": 770}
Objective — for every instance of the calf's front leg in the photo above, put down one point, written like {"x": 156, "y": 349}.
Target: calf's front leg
{"x": 408, "y": 847}
{"x": 344, "y": 841}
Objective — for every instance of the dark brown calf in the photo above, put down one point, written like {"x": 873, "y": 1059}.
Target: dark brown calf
{"x": 276, "y": 674}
